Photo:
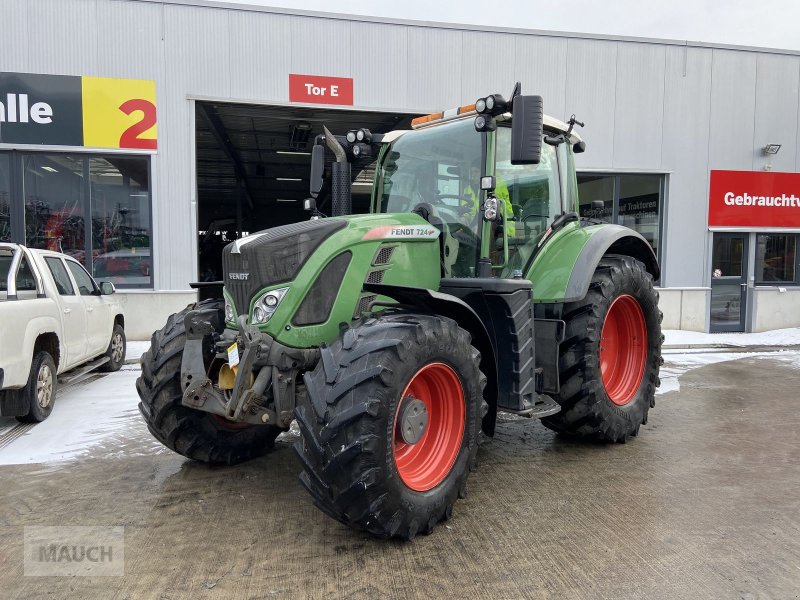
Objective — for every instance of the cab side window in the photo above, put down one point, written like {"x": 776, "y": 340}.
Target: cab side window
{"x": 59, "y": 273}
{"x": 532, "y": 198}
{"x": 86, "y": 285}
{"x": 26, "y": 282}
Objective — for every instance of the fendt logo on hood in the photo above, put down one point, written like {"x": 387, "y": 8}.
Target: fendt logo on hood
{"x": 239, "y": 276}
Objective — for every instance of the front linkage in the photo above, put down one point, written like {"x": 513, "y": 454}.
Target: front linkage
{"x": 267, "y": 398}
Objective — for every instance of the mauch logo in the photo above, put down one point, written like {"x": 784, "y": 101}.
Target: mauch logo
{"x": 74, "y": 551}
{"x": 64, "y": 553}
{"x": 239, "y": 276}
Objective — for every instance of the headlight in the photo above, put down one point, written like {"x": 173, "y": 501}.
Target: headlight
{"x": 490, "y": 209}
{"x": 230, "y": 314}
{"x": 266, "y": 305}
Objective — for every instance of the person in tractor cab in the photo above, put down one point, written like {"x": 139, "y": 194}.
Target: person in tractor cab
{"x": 472, "y": 192}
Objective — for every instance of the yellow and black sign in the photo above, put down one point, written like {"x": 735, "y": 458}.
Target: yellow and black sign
{"x": 61, "y": 110}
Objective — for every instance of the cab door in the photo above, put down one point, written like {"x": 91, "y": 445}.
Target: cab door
{"x": 98, "y": 326}
{"x": 73, "y": 315}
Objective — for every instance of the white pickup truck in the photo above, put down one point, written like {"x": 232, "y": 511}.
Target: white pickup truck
{"x": 54, "y": 318}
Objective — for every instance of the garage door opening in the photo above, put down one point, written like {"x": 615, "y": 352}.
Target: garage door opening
{"x": 253, "y": 166}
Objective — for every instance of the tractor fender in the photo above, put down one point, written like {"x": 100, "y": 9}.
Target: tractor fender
{"x": 608, "y": 239}
{"x": 454, "y": 308}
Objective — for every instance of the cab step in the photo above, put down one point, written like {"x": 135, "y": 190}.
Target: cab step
{"x": 82, "y": 372}
{"x": 543, "y": 407}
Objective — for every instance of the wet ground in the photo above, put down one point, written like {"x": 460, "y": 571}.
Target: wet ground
{"x": 705, "y": 503}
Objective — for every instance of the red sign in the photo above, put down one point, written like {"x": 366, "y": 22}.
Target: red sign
{"x": 745, "y": 199}
{"x": 321, "y": 90}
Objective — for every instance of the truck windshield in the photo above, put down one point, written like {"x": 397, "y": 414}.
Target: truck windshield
{"x": 439, "y": 167}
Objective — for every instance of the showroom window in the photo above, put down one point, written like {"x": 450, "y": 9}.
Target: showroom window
{"x": 5, "y": 197}
{"x": 635, "y": 201}
{"x": 95, "y": 208}
{"x": 776, "y": 259}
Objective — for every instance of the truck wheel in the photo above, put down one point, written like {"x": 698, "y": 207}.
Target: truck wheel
{"x": 40, "y": 391}
{"x": 193, "y": 433}
{"x": 390, "y": 423}
{"x": 116, "y": 350}
{"x": 611, "y": 354}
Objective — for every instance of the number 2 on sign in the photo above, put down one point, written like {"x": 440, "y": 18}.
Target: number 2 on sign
{"x": 130, "y": 137}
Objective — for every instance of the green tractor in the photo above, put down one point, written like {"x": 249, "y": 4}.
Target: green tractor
{"x": 394, "y": 338}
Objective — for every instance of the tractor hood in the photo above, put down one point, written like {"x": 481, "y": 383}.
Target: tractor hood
{"x": 319, "y": 268}
{"x": 272, "y": 256}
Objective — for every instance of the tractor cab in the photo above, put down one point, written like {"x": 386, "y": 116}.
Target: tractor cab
{"x": 493, "y": 184}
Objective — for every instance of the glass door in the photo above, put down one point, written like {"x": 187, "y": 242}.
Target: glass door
{"x": 729, "y": 282}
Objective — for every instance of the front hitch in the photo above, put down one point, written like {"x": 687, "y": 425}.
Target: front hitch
{"x": 277, "y": 365}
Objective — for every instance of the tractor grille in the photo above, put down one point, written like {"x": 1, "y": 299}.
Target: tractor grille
{"x": 363, "y": 305}
{"x": 272, "y": 256}
{"x": 375, "y": 276}
{"x": 383, "y": 255}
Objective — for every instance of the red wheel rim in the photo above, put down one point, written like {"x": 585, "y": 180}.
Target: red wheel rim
{"x": 424, "y": 465}
{"x": 623, "y": 349}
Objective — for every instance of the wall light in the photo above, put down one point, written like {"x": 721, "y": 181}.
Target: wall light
{"x": 772, "y": 148}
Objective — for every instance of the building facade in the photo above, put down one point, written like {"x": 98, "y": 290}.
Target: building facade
{"x": 667, "y": 124}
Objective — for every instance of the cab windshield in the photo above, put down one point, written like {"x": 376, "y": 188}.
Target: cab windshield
{"x": 438, "y": 169}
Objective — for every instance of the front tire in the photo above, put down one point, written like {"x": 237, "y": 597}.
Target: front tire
{"x": 193, "y": 433}
{"x": 390, "y": 424}
{"x": 611, "y": 354}
{"x": 40, "y": 391}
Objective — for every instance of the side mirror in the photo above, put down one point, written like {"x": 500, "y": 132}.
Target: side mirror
{"x": 527, "y": 130}
{"x": 317, "y": 169}
{"x": 107, "y": 288}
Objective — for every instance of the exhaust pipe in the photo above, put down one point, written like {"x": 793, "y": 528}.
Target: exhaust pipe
{"x": 341, "y": 189}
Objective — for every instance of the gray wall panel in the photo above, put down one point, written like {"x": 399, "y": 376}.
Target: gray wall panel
{"x": 687, "y": 107}
{"x": 130, "y": 36}
{"x": 481, "y": 76}
{"x": 380, "y": 65}
{"x": 14, "y": 36}
{"x": 320, "y": 47}
{"x": 197, "y": 47}
{"x": 591, "y": 95}
{"x": 434, "y": 68}
{"x": 260, "y": 60}
{"x": 65, "y": 38}
{"x": 733, "y": 91}
{"x": 639, "y": 107}
{"x": 777, "y": 92}
{"x": 541, "y": 65}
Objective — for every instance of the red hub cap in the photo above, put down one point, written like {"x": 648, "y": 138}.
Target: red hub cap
{"x": 623, "y": 349}
{"x": 424, "y": 465}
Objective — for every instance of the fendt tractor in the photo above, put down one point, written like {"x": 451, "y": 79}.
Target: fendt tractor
{"x": 394, "y": 338}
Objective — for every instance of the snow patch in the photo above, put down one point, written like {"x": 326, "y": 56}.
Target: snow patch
{"x": 778, "y": 337}
{"x": 99, "y": 417}
{"x": 678, "y": 363}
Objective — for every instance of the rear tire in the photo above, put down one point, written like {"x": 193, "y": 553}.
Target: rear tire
{"x": 193, "y": 433}
{"x": 40, "y": 391}
{"x": 358, "y": 466}
{"x": 609, "y": 374}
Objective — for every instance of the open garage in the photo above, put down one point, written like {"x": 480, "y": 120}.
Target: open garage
{"x": 253, "y": 165}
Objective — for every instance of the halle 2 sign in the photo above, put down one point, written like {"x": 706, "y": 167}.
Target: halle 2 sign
{"x": 61, "y": 110}
{"x": 748, "y": 199}
{"x": 318, "y": 89}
